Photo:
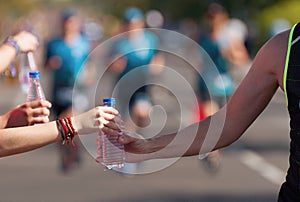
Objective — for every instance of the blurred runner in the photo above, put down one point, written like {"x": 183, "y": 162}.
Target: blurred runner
{"x": 134, "y": 56}
{"x": 65, "y": 55}
{"x": 215, "y": 85}
{"x": 230, "y": 34}
{"x": 248, "y": 101}
{"x": 135, "y": 53}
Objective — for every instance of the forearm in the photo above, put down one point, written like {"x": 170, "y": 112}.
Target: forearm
{"x": 23, "y": 139}
{"x": 222, "y": 128}
{"x": 212, "y": 133}
{"x": 186, "y": 142}
{"x": 7, "y": 54}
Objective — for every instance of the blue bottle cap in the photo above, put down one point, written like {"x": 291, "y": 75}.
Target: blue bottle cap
{"x": 109, "y": 101}
{"x": 34, "y": 74}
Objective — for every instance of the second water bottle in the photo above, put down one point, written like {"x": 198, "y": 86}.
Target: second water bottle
{"x": 35, "y": 91}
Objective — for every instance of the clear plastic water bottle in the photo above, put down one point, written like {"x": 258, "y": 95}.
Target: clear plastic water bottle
{"x": 35, "y": 91}
{"x": 112, "y": 151}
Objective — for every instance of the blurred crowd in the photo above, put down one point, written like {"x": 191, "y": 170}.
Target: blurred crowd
{"x": 67, "y": 38}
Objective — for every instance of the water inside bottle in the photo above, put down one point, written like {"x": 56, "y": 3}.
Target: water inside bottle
{"x": 111, "y": 151}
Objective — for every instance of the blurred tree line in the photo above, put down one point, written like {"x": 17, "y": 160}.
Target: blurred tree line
{"x": 258, "y": 13}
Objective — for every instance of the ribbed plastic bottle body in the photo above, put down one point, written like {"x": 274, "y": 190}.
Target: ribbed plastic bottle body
{"x": 35, "y": 91}
{"x": 112, "y": 151}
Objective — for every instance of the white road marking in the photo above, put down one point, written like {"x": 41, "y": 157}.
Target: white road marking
{"x": 260, "y": 165}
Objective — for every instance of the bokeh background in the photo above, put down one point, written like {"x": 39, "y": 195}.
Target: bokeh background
{"x": 252, "y": 169}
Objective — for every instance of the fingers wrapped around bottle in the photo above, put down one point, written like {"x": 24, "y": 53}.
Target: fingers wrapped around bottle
{"x": 109, "y": 121}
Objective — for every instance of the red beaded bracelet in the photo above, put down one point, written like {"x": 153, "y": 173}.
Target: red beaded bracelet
{"x": 61, "y": 132}
{"x": 66, "y": 130}
{"x": 69, "y": 121}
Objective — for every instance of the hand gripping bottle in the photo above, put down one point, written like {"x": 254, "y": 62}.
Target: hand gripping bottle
{"x": 112, "y": 151}
{"x": 35, "y": 91}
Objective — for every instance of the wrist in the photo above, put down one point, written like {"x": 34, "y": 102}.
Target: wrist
{"x": 76, "y": 123}
{"x": 3, "y": 120}
{"x": 160, "y": 147}
{"x": 11, "y": 41}
{"x": 151, "y": 148}
{"x": 67, "y": 131}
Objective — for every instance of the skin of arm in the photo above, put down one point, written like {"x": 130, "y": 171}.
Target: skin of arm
{"x": 26, "y": 41}
{"x": 23, "y": 139}
{"x": 118, "y": 64}
{"x": 30, "y": 112}
{"x": 157, "y": 63}
{"x": 245, "y": 105}
{"x": 9, "y": 53}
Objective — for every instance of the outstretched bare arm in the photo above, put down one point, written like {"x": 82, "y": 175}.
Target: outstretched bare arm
{"x": 230, "y": 122}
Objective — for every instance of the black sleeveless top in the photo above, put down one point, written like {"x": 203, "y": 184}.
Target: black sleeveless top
{"x": 290, "y": 189}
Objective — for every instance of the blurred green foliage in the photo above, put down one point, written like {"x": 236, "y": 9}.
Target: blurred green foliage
{"x": 173, "y": 9}
{"x": 287, "y": 9}
{"x": 259, "y": 13}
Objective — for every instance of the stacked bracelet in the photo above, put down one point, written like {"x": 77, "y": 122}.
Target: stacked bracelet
{"x": 61, "y": 132}
{"x": 66, "y": 130}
